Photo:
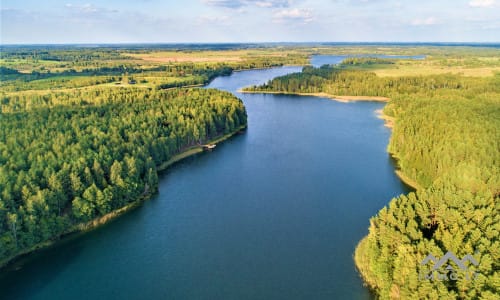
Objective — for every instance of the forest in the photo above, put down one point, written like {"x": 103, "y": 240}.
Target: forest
{"x": 84, "y": 131}
{"x": 445, "y": 141}
{"x": 67, "y": 161}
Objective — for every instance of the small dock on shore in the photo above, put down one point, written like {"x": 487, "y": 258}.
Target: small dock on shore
{"x": 208, "y": 147}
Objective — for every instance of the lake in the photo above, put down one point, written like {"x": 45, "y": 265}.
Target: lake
{"x": 274, "y": 213}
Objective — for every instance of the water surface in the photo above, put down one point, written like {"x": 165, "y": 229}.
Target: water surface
{"x": 274, "y": 213}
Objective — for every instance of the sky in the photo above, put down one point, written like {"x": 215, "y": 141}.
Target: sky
{"x": 241, "y": 21}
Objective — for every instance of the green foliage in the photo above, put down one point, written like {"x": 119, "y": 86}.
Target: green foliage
{"x": 68, "y": 54}
{"x": 65, "y": 161}
{"x": 449, "y": 145}
{"x": 360, "y": 61}
{"x": 447, "y": 138}
{"x": 185, "y": 74}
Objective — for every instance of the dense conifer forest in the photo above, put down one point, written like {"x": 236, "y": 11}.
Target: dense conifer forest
{"x": 446, "y": 143}
{"x": 73, "y": 157}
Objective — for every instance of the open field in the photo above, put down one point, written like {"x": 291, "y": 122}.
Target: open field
{"x": 204, "y": 56}
{"x": 433, "y": 51}
{"x": 213, "y": 56}
{"x": 480, "y": 68}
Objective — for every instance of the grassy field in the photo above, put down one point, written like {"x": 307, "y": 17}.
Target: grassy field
{"x": 481, "y": 68}
{"x": 430, "y": 66}
{"x": 213, "y": 56}
{"x": 198, "y": 56}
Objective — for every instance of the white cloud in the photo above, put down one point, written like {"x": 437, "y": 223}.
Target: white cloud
{"x": 355, "y": 2}
{"x": 294, "y": 14}
{"x": 425, "y": 22}
{"x": 88, "y": 9}
{"x": 481, "y": 3}
{"x": 273, "y": 3}
{"x": 214, "y": 20}
{"x": 241, "y": 3}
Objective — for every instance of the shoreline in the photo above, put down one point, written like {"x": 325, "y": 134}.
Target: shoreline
{"x": 359, "y": 256}
{"x": 407, "y": 180}
{"x": 388, "y": 121}
{"x": 344, "y": 99}
{"x": 105, "y": 219}
{"x": 360, "y": 262}
{"x": 193, "y": 150}
{"x": 271, "y": 67}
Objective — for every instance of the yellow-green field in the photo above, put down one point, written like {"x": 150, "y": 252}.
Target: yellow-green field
{"x": 485, "y": 67}
{"x": 220, "y": 56}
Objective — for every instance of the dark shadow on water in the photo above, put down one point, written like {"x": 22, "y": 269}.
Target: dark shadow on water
{"x": 163, "y": 174}
{"x": 395, "y": 164}
{"x": 40, "y": 268}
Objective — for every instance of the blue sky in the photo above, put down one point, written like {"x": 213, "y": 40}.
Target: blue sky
{"x": 155, "y": 21}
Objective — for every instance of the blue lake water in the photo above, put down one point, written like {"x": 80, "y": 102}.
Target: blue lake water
{"x": 274, "y": 213}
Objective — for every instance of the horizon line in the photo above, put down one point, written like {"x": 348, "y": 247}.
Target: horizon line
{"x": 252, "y": 43}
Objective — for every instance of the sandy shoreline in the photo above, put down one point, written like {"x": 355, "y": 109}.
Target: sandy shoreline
{"x": 388, "y": 121}
{"x": 344, "y": 99}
